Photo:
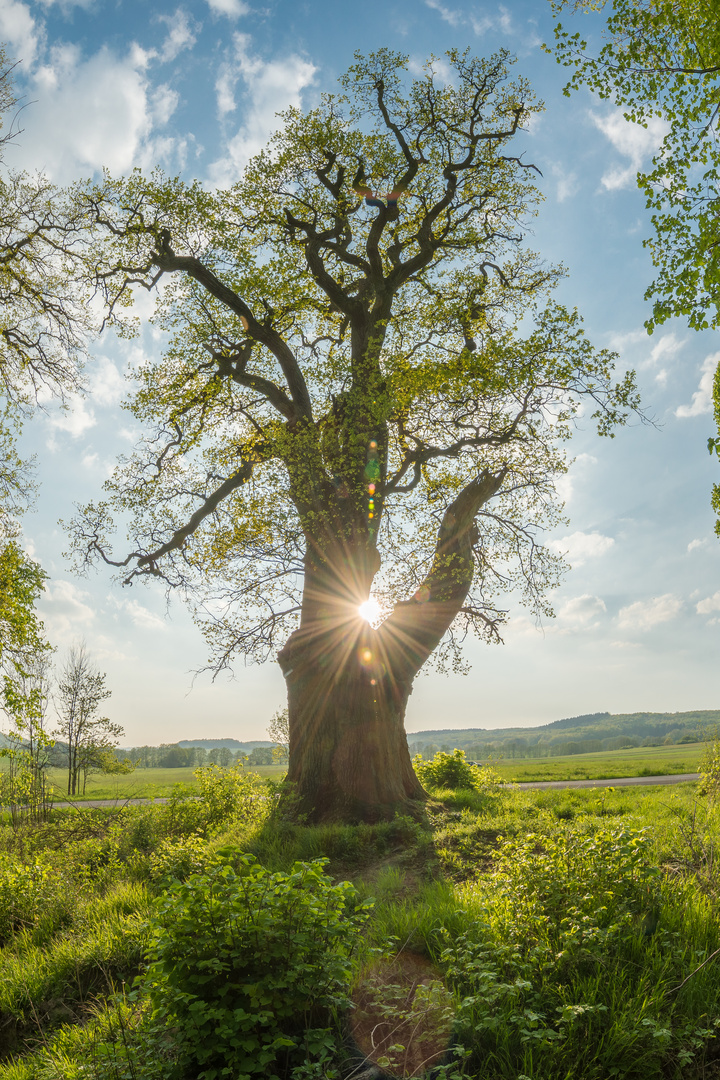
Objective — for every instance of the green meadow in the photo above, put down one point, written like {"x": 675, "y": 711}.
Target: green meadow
{"x": 510, "y": 933}
{"x": 642, "y": 761}
{"x": 143, "y": 783}
{"x": 605, "y": 765}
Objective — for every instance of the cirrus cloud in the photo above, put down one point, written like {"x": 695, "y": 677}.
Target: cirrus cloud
{"x": 269, "y": 87}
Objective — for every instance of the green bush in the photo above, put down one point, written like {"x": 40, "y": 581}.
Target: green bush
{"x": 33, "y": 896}
{"x": 232, "y": 792}
{"x": 710, "y": 769}
{"x": 455, "y": 772}
{"x": 178, "y": 858}
{"x": 243, "y": 963}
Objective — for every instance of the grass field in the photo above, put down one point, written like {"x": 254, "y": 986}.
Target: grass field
{"x": 143, "y": 783}
{"x": 550, "y": 934}
{"x": 641, "y": 761}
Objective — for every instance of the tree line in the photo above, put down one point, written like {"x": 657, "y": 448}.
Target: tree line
{"x": 541, "y": 748}
{"x": 173, "y": 756}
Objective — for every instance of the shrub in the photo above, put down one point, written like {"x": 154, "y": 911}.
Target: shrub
{"x": 710, "y": 768}
{"x": 243, "y": 962}
{"x": 455, "y": 772}
{"x": 32, "y": 896}
{"x": 231, "y": 792}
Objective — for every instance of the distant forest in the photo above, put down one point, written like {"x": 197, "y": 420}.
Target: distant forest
{"x": 573, "y": 735}
{"x": 193, "y": 753}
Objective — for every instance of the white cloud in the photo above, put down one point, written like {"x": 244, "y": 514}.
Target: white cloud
{"x": 712, "y": 603}
{"x": 141, "y": 616}
{"x": 106, "y": 388}
{"x": 631, "y": 140}
{"x": 623, "y": 342}
{"x": 75, "y": 420}
{"x": 565, "y": 485}
{"x": 581, "y": 611}
{"x": 567, "y": 183}
{"x": 232, "y": 8}
{"x": 697, "y": 544}
{"x": 181, "y": 35}
{"x": 18, "y": 30}
{"x": 702, "y": 398}
{"x": 666, "y": 347}
{"x": 454, "y": 18}
{"x": 580, "y": 546}
{"x": 90, "y": 460}
{"x": 65, "y": 611}
{"x": 644, "y": 614}
{"x": 501, "y": 21}
{"x": 225, "y": 90}
{"x": 95, "y": 112}
{"x": 107, "y": 385}
{"x": 66, "y": 6}
{"x": 270, "y": 86}
{"x": 480, "y": 24}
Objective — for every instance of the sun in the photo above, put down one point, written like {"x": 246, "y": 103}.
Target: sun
{"x": 370, "y": 610}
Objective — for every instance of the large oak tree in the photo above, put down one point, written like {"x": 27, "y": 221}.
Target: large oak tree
{"x": 365, "y": 390}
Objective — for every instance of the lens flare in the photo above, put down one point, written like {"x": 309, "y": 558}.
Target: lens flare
{"x": 369, "y": 610}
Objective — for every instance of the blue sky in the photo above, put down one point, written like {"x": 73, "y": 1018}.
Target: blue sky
{"x": 195, "y": 88}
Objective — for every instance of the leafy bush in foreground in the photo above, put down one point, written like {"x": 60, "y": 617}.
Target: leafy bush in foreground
{"x": 243, "y": 962}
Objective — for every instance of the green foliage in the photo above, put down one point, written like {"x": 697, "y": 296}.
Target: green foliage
{"x": 44, "y": 315}
{"x": 231, "y": 792}
{"x": 315, "y": 325}
{"x": 48, "y": 979}
{"x": 572, "y": 938}
{"x": 32, "y": 895}
{"x": 24, "y": 658}
{"x": 661, "y": 58}
{"x": 242, "y": 961}
{"x": 454, "y": 771}
{"x": 710, "y": 767}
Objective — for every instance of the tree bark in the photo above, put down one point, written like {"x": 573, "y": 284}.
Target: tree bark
{"x": 349, "y": 758}
{"x": 348, "y": 684}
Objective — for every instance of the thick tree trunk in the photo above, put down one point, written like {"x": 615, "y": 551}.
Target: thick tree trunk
{"x": 348, "y": 685}
{"x": 349, "y": 759}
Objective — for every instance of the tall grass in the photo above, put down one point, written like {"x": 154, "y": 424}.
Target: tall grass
{"x": 573, "y": 929}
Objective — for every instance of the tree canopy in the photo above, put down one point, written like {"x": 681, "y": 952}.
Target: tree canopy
{"x": 43, "y": 325}
{"x": 44, "y": 317}
{"x": 366, "y": 385}
{"x": 661, "y": 58}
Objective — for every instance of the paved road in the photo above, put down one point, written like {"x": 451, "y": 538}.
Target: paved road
{"x": 621, "y": 781}
{"x": 107, "y": 804}
{"x": 618, "y": 781}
